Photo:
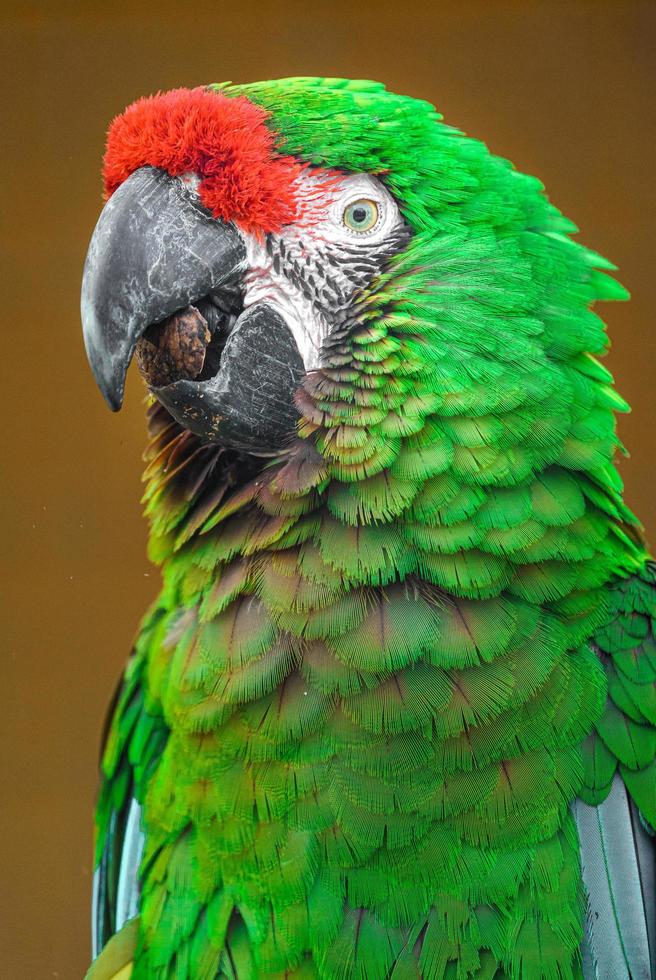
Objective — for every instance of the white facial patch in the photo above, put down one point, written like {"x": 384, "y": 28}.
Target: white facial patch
{"x": 311, "y": 271}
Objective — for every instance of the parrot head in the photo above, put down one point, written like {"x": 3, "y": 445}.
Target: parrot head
{"x": 326, "y": 261}
{"x": 231, "y": 268}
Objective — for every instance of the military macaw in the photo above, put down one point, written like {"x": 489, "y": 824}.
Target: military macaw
{"x": 393, "y": 713}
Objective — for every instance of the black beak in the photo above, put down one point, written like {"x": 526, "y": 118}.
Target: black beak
{"x": 156, "y": 251}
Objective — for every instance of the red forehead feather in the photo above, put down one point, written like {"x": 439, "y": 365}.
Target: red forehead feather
{"x": 223, "y": 140}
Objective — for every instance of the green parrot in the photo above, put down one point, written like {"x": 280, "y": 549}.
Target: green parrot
{"x": 393, "y": 713}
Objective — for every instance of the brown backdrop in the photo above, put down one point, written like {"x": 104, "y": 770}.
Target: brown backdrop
{"x": 563, "y": 89}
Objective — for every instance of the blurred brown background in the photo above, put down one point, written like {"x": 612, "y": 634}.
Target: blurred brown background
{"x": 563, "y": 89}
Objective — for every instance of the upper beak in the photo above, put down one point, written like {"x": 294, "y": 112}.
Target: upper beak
{"x": 153, "y": 251}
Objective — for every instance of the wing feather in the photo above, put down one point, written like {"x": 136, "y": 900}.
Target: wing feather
{"x": 614, "y": 868}
{"x": 127, "y": 893}
{"x": 136, "y": 736}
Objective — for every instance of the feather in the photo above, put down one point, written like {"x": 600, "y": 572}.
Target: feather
{"x": 616, "y": 926}
{"x": 380, "y": 498}
{"x": 645, "y": 849}
{"x": 127, "y": 893}
{"x": 641, "y": 784}
{"x": 633, "y": 744}
{"x": 599, "y": 765}
{"x": 115, "y": 961}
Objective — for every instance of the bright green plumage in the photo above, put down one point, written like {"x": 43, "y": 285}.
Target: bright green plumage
{"x": 383, "y": 666}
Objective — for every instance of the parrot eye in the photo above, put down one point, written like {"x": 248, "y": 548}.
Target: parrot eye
{"x": 361, "y": 215}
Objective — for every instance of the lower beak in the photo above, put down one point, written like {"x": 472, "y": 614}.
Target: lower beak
{"x": 156, "y": 252}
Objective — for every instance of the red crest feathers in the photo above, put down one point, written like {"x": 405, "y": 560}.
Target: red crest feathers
{"x": 224, "y": 140}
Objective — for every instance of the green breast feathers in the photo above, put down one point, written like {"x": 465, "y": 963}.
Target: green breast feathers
{"x": 393, "y": 714}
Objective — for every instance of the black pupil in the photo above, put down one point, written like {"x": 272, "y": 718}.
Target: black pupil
{"x": 359, "y": 215}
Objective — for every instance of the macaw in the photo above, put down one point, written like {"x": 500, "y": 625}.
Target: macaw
{"x": 393, "y": 713}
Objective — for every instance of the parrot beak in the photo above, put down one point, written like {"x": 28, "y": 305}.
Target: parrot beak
{"x": 162, "y": 277}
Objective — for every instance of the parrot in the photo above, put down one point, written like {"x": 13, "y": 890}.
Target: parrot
{"x": 393, "y": 712}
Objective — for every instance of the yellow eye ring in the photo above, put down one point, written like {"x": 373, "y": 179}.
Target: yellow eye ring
{"x": 361, "y": 216}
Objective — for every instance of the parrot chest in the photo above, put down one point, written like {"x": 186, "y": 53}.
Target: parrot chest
{"x": 373, "y": 741}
